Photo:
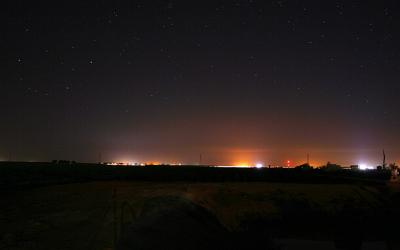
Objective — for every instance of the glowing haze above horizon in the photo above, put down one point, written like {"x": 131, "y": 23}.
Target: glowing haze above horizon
{"x": 238, "y": 82}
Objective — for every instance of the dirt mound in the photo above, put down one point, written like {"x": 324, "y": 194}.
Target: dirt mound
{"x": 174, "y": 223}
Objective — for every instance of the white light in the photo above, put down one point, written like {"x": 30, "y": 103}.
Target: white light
{"x": 233, "y": 166}
{"x": 363, "y": 166}
{"x": 259, "y": 165}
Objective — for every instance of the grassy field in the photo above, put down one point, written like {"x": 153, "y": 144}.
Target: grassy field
{"x": 89, "y": 215}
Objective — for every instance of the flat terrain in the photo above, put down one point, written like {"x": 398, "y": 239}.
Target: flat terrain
{"x": 91, "y": 215}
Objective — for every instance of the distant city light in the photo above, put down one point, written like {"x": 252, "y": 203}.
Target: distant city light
{"x": 242, "y": 166}
{"x": 363, "y": 166}
{"x": 259, "y": 165}
{"x": 233, "y": 166}
{"x": 123, "y": 163}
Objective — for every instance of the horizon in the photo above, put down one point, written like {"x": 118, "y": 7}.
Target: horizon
{"x": 238, "y": 162}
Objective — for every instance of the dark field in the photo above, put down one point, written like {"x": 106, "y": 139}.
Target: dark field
{"x": 24, "y": 174}
{"x": 46, "y": 206}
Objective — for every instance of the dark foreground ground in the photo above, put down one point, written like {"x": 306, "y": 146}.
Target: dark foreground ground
{"x": 70, "y": 208}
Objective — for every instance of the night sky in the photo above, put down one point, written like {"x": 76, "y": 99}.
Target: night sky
{"x": 238, "y": 81}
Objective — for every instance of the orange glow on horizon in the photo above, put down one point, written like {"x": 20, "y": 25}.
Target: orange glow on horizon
{"x": 152, "y": 163}
{"x": 242, "y": 164}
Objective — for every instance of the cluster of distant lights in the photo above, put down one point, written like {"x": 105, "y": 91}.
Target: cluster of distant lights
{"x": 140, "y": 164}
{"x": 258, "y": 165}
{"x": 363, "y": 166}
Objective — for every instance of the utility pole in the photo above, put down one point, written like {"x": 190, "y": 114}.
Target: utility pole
{"x": 200, "y": 159}
{"x": 308, "y": 159}
{"x": 384, "y": 159}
